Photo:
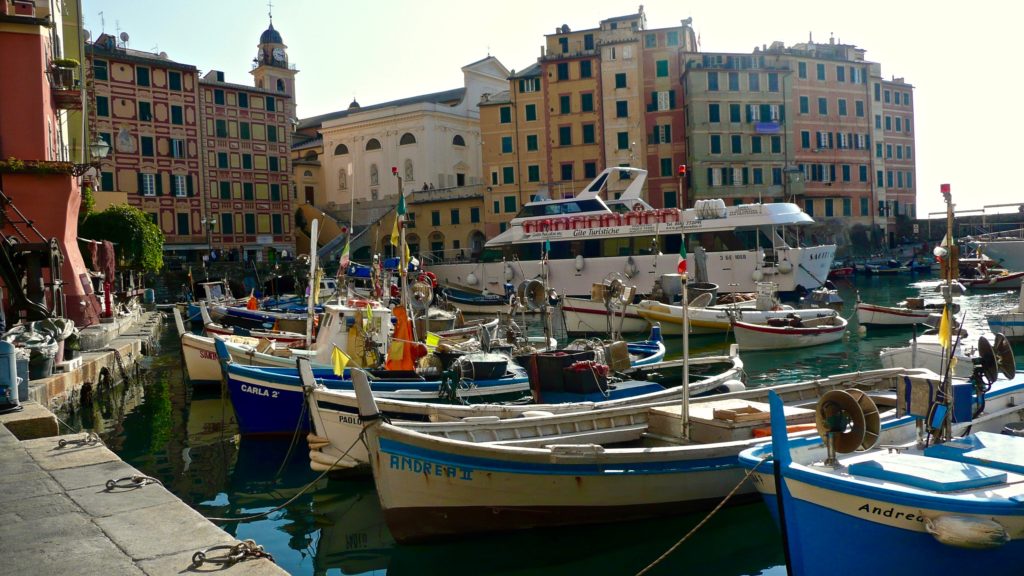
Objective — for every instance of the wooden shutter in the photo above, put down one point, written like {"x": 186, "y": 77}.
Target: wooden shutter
{"x": 159, "y": 184}
{"x": 142, "y": 190}
{"x": 188, "y": 185}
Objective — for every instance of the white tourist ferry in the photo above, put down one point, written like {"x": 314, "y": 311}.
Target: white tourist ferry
{"x": 590, "y": 238}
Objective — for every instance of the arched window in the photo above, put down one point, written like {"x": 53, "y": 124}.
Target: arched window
{"x": 458, "y": 141}
{"x": 407, "y": 138}
{"x": 307, "y": 174}
{"x": 340, "y": 149}
{"x": 373, "y": 144}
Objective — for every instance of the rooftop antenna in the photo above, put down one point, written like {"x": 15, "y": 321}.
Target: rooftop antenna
{"x": 103, "y": 24}
{"x": 270, "y": 10}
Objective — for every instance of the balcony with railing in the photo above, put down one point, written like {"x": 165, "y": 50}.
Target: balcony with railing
{"x": 66, "y": 90}
{"x": 446, "y": 194}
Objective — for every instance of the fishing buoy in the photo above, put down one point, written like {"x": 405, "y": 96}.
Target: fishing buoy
{"x": 862, "y": 330}
{"x": 471, "y": 279}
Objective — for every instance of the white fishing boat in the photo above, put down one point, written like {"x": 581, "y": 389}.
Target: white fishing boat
{"x": 444, "y": 479}
{"x": 214, "y": 329}
{"x": 589, "y": 237}
{"x": 996, "y": 279}
{"x": 785, "y": 333}
{"x": 907, "y": 313}
{"x": 1010, "y": 323}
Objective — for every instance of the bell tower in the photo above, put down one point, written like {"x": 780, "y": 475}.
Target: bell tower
{"x": 271, "y": 70}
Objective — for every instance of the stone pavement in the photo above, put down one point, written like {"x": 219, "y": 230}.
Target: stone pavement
{"x": 56, "y": 516}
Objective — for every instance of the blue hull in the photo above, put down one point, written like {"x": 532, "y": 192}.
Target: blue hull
{"x": 266, "y": 410}
{"x": 827, "y": 542}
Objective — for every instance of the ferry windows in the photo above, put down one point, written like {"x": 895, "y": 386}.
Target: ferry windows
{"x": 531, "y": 112}
{"x": 531, "y": 143}
{"x": 510, "y": 204}
{"x": 504, "y": 116}
{"x": 716, "y": 144}
{"x": 714, "y": 113}
{"x": 533, "y": 173}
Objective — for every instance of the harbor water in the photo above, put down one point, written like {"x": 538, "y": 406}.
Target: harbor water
{"x": 189, "y": 440}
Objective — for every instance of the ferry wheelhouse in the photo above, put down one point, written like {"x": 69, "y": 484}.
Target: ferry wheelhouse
{"x": 574, "y": 242}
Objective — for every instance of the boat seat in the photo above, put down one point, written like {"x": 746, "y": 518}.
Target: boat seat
{"x": 935, "y": 474}
{"x": 999, "y": 451}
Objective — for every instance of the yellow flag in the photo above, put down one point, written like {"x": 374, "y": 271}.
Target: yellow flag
{"x": 340, "y": 360}
{"x": 394, "y": 233}
{"x": 945, "y": 329}
{"x": 432, "y": 340}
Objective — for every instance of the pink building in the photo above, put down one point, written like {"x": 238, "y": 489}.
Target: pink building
{"x": 41, "y": 184}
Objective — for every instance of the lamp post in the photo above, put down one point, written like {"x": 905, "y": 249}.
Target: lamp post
{"x": 682, "y": 180}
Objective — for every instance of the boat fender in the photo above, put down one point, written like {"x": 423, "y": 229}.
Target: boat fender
{"x": 579, "y": 262}
{"x": 471, "y": 279}
{"x": 733, "y": 386}
{"x": 757, "y": 275}
{"x": 967, "y": 532}
{"x": 510, "y": 272}
{"x": 536, "y": 414}
{"x": 631, "y": 268}
{"x": 785, "y": 267}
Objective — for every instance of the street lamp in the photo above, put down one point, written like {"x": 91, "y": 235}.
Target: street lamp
{"x": 98, "y": 150}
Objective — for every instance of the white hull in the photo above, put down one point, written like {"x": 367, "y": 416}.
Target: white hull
{"x": 201, "y": 362}
{"x": 1010, "y": 324}
{"x": 890, "y": 316}
{"x": 714, "y": 319}
{"x": 731, "y": 271}
{"x": 585, "y": 316}
{"x": 335, "y": 417}
{"x": 1008, "y": 253}
{"x": 925, "y": 354}
{"x": 762, "y": 337}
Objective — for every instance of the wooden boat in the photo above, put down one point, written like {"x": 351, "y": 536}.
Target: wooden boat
{"x": 841, "y": 272}
{"x": 847, "y": 506}
{"x": 1010, "y": 324}
{"x": 214, "y": 329}
{"x": 438, "y": 480}
{"x": 213, "y": 293}
{"x": 257, "y": 319}
{"x": 907, "y": 313}
{"x": 470, "y": 303}
{"x": 718, "y": 318}
{"x": 337, "y": 426}
{"x": 994, "y": 279}
{"x": 586, "y": 316}
{"x": 793, "y": 334}
{"x": 885, "y": 268}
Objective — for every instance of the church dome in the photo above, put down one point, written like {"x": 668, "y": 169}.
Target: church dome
{"x": 271, "y": 36}
{"x": 353, "y": 105}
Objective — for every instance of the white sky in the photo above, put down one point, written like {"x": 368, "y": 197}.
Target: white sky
{"x": 959, "y": 57}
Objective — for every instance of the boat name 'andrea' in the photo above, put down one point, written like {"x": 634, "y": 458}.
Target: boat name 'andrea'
{"x": 429, "y": 468}
{"x": 890, "y": 513}
{"x": 259, "y": 391}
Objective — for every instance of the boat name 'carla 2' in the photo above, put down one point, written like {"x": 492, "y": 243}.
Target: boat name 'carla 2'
{"x": 574, "y": 242}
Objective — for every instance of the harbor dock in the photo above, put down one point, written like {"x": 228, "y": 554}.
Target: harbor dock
{"x": 58, "y": 509}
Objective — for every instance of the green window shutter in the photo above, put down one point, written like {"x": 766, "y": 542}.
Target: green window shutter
{"x": 188, "y": 185}
{"x": 672, "y": 99}
{"x": 140, "y": 179}
{"x": 159, "y": 184}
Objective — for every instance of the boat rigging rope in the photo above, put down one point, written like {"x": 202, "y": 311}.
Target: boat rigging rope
{"x": 706, "y": 518}
{"x": 235, "y": 553}
{"x": 300, "y": 493}
{"x": 306, "y": 390}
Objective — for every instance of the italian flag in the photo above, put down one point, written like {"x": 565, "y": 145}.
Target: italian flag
{"x": 681, "y": 267}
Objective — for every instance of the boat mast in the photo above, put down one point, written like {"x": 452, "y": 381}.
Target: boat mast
{"x": 684, "y": 414}
{"x": 310, "y": 305}
{"x": 947, "y": 296}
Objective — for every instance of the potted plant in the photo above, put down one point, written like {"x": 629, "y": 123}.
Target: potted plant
{"x": 63, "y": 72}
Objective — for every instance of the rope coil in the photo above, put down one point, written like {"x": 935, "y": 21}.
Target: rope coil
{"x": 132, "y": 482}
{"x": 233, "y": 553}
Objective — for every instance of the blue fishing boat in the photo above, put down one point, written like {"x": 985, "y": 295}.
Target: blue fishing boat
{"x": 470, "y": 303}
{"x": 271, "y": 400}
{"x": 944, "y": 507}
